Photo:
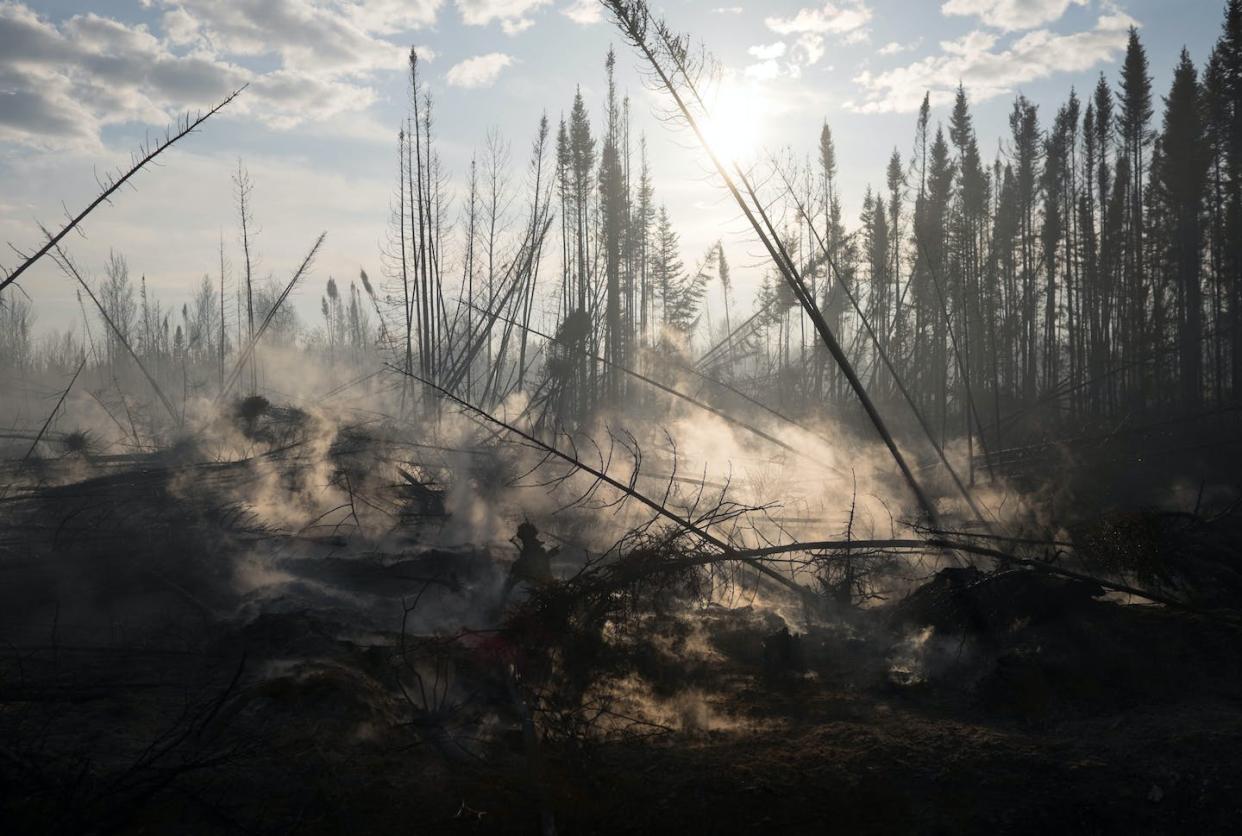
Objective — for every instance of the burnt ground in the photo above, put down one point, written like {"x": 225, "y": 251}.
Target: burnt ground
{"x": 1107, "y": 719}
{"x": 169, "y": 665}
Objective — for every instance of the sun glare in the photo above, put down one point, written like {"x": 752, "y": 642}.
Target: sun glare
{"x": 736, "y": 114}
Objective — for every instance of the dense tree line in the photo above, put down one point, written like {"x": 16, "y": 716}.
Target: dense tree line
{"x": 1090, "y": 269}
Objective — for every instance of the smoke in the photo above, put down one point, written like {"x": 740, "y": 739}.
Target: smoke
{"x": 633, "y": 703}
{"x": 328, "y": 457}
{"x": 346, "y": 466}
{"x": 924, "y": 655}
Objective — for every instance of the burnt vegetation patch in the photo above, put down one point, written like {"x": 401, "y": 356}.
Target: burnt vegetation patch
{"x": 539, "y": 531}
{"x": 185, "y": 664}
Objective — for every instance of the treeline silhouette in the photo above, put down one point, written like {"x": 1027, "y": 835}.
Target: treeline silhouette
{"x": 1091, "y": 268}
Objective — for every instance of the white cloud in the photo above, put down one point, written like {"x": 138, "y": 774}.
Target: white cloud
{"x": 1011, "y": 15}
{"x": 390, "y": 17}
{"x": 857, "y": 36}
{"x": 61, "y": 83}
{"x": 807, "y": 50}
{"x": 764, "y": 71}
{"x": 810, "y": 48}
{"x": 180, "y": 27}
{"x": 987, "y": 72}
{"x": 279, "y": 21}
{"x": 896, "y": 47}
{"x": 479, "y": 71}
{"x": 307, "y": 36}
{"x": 727, "y": 10}
{"x": 766, "y": 52}
{"x": 850, "y": 16}
{"x": 584, "y": 12}
{"x": 511, "y": 14}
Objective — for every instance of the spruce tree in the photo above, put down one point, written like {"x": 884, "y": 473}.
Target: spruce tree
{"x": 1183, "y": 178}
{"x": 1133, "y": 128}
{"x": 666, "y": 266}
{"x": 1025, "y": 134}
{"x": 1230, "y": 51}
{"x": 613, "y": 206}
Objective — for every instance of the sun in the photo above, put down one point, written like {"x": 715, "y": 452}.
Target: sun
{"x": 737, "y": 112}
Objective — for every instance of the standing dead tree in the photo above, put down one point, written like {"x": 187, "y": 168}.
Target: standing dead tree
{"x": 894, "y": 374}
{"x": 675, "y": 73}
{"x": 665, "y": 388}
{"x": 245, "y": 356}
{"x": 511, "y": 293}
{"x": 66, "y": 264}
{"x": 726, "y": 551}
{"x": 243, "y": 187}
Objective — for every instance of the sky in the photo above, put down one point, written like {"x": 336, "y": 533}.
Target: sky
{"x": 83, "y": 84}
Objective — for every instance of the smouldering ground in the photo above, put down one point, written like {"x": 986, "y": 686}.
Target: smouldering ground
{"x": 296, "y": 639}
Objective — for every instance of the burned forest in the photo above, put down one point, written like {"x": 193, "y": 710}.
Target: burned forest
{"x": 904, "y": 500}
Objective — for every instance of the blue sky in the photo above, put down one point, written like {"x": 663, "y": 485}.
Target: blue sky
{"x": 82, "y": 83}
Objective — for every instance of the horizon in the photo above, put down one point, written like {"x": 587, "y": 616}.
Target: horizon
{"x": 317, "y": 126}
{"x": 497, "y": 416}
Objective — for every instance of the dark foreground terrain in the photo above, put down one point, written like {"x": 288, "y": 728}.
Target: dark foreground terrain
{"x": 172, "y": 664}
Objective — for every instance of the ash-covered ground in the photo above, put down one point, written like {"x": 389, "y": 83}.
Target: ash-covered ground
{"x": 289, "y": 623}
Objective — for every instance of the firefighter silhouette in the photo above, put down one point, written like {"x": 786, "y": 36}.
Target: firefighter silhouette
{"x": 534, "y": 563}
